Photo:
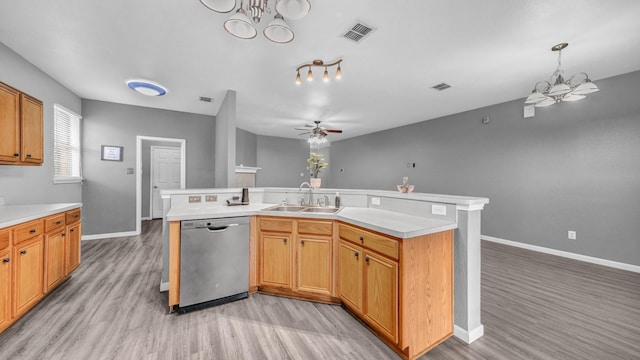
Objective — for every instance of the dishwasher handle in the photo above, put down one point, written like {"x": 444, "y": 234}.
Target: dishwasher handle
{"x": 215, "y": 229}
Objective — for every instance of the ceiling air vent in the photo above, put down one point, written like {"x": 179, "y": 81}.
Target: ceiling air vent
{"x": 442, "y": 86}
{"x": 205, "y": 99}
{"x": 358, "y": 32}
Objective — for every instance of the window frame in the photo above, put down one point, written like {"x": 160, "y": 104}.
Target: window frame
{"x": 75, "y": 118}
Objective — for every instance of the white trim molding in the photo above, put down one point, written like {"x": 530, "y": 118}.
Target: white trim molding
{"x": 110, "y": 235}
{"x": 566, "y": 254}
{"x": 164, "y": 286}
{"x": 468, "y": 336}
{"x": 470, "y": 207}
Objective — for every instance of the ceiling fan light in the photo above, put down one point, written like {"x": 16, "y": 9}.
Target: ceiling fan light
{"x": 293, "y": 9}
{"x": 278, "y": 31}
{"x": 586, "y": 87}
{"x": 221, "y": 6}
{"x": 545, "y": 102}
{"x": 239, "y": 25}
{"x": 309, "y": 75}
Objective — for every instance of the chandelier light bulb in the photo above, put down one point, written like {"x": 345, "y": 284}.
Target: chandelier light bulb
{"x": 309, "y": 75}
{"x": 298, "y": 81}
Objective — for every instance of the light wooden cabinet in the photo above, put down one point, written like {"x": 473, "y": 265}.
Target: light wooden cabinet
{"x": 402, "y": 288}
{"x": 350, "y": 275}
{"x": 21, "y": 128}
{"x": 275, "y": 260}
{"x": 314, "y": 264}
{"x": 9, "y": 124}
{"x": 5, "y": 278}
{"x": 35, "y": 257}
{"x": 54, "y": 251}
{"x": 28, "y": 274}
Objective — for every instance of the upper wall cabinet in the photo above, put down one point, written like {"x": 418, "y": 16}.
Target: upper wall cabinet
{"x": 21, "y": 131}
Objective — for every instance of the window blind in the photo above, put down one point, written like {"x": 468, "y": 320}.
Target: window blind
{"x": 66, "y": 146}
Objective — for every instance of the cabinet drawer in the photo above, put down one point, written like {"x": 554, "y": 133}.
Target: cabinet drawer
{"x": 4, "y": 238}
{"x": 54, "y": 222}
{"x": 315, "y": 227}
{"x": 383, "y": 245}
{"x": 275, "y": 224}
{"x": 28, "y": 230}
{"x": 73, "y": 216}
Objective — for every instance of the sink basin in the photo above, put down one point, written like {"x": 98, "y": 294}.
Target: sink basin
{"x": 285, "y": 208}
{"x": 325, "y": 210}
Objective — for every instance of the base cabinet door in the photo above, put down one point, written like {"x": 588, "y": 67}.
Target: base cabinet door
{"x": 350, "y": 259}
{"x": 275, "y": 260}
{"x": 28, "y": 274}
{"x": 72, "y": 247}
{"x": 54, "y": 249}
{"x": 314, "y": 264}
{"x": 380, "y": 308}
{"x": 5, "y": 288}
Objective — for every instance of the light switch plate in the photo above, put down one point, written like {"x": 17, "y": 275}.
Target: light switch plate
{"x": 195, "y": 199}
{"x": 375, "y": 201}
{"x": 439, "y": 209}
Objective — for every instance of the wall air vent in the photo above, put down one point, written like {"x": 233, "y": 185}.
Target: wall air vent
{"x": 441, "y": 86}
{"x": 358, "y": 32}
{"x": 205, "y": 99}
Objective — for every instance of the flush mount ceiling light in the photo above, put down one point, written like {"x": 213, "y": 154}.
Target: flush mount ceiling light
{"x": 545, "y": 94}
{"x": 319, "y": 63}
{"x": 146, "y": 87}
{"x": 241, "y": 23}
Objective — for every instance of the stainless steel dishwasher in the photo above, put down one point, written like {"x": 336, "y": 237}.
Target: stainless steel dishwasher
{"x": 214, "y": 262}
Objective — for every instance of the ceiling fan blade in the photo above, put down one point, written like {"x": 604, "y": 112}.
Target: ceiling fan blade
{"x": 305, "y": 133}
{"x": 301, "y": 129}
{"x": 334, "y": 131}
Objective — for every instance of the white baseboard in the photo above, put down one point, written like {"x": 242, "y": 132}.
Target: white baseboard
{"x": 468, "y": 336}
{"x": 145, "y": 218}
{"x": 164, "y": 286}
{"x": 570, "y": 255}
{"x": 110, "y": 235}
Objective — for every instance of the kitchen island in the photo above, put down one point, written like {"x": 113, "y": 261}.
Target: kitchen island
{"x": 378, "y": 252}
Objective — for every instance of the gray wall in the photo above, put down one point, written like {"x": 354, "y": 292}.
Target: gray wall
{"x": 282, "y": 160}
{"x": 574, "y": 166}
{"x": 246, "y": 148}
{"x": 33, "y": 184}
{"x": 225, "y": 143}
{"x": 109, "y": 193}
{"x": 146, "y": 171}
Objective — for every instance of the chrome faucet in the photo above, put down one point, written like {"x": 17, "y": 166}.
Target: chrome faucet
{"x": 310, "y": 197}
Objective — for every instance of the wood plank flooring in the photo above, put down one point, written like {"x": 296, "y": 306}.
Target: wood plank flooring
{"x": 534, "y": 306}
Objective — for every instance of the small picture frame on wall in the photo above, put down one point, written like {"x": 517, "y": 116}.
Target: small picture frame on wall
{"x": 111, "y": 153}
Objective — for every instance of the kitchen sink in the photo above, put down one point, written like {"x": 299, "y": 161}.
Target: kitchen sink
{"x": 308, "y": 209}
{"x": 324, "y": 210}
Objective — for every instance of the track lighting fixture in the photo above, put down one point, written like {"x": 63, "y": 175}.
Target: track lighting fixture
{"x": 319, "y": 63}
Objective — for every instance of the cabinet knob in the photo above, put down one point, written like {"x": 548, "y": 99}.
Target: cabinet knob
{"x": 23, "y": 252}
{"x": 28, "y": 155}
{"x": 302, "y": 242}
{"x": 58, "y": 222}
{"x": 6, "y": 260}
{"x": 284, "y": 241}
{"x": 16, "y": 155}
{"x": 71, "y": 230}
{"x": 32, "y": 231}
{"x": 361, "y": 238}
{"x": 356, "y": 254}
{"x": 366, "y": 259}
{"x": 63, "y": 234}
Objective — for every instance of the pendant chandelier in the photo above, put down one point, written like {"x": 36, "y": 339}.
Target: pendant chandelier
{"x": 558, "y": 89}
{"x": 241, "y": 23}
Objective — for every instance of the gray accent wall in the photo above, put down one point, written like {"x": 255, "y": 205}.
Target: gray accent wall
{"x": 246, "y": 148}
{"x": 109, "y": 193}
{"x": 282, "y": 161}
{"x": 574, "y": 166}
{"x": 34, "y": 184}
{"x": 225, "y": 142}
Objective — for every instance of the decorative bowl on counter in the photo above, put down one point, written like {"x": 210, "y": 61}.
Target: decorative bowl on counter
{"x": 405, "y": 188}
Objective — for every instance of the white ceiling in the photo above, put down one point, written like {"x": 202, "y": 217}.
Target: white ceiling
{"x": 490, "y": 51}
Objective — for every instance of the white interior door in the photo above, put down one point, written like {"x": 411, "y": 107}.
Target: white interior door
{"x": 165, "y": 174}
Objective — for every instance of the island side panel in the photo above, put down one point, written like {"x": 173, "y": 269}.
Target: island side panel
{"x": 174, "y": 264}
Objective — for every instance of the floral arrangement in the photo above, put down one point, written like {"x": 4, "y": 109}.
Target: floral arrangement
{"x": 316, "y": 164}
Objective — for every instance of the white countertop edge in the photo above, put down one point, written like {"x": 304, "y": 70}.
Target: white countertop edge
{"x": 442, "y": 198}
{"x": 17, "y": 214}
{"x": 415, "y": 226}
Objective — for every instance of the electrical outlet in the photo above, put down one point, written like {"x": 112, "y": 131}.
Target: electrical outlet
{"x": 195, "y": 199}
{"x": 211, "y": 198}
{"x": 571, "y": 235}
{"x": 439, "y": 209}
{"x": 375, "y": 201}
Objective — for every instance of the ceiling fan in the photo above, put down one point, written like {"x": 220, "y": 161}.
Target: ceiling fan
{"x": 317, "y": 130}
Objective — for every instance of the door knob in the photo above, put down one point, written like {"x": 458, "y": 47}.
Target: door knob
{"x": 155, "y": 187}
